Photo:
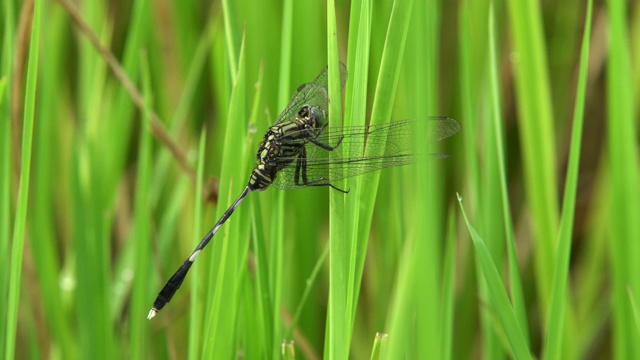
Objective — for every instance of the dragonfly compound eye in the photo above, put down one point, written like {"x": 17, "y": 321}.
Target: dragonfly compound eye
{"x": 313, "y": 115}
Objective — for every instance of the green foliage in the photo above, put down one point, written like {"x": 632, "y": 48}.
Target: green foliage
{"x": 108, "y": 109}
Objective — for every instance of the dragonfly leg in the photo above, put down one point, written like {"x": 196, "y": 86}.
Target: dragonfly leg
{"x": 328, "y": 147}
{"x": 301, "y": 171}
{"x": 301, "y": 166}
{"x": 336, "y": 188}
{"x": 319, "y": 182}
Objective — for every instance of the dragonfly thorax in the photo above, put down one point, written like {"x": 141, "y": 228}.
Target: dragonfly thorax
{"x": 283, "y": 143}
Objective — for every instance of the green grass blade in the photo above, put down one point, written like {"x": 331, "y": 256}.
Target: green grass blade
{"x": 20, "y": 222}
{"x": 98, "y": 153}
{"x": 5, "y": 205}
{"x": 195, "y": 306}
{"x": 425, "y": 278}
{"x": 473, "y": 48}
{"x": 485, "y": 127}
{"x": 231, "y": 35}
{"x": 355, "y": 114}
{"x": 311, "y": 281}
{"x": 379, "y": 345}
{"x": 634, "y": 307}
{"x": 224, "y": 284}
{"x": 537, "y": 136}
{"x": 276, "y": 251}
{"x": 46, "y": 186}
{"x": 348, "y": 249}
{"x": 259, "y": 317}
{"x": 515, "y": 279}
{"x": 142, "y": 232}
{"x": 120, "y": 126}
{"x": 6, "y": 183}
{"x": 448, "y": 288}
{"x": 336, "y": 343}
{"x": 264, "y": 307}
{"x": 498, "y": 297}
{"x": 557, "y": 310}
{"x": 625, "y": 177}
{"x": 392, "y": 55}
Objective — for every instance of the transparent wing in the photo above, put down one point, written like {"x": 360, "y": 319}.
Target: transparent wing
{"x": 314, "y": 93}
{"x": 363, "y": 149}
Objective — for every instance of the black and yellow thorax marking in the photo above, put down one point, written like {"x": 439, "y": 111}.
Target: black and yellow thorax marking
{"x": 283, "y": 143}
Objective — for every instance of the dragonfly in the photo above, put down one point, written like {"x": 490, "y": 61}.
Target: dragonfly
{"x": 301, "y": 150}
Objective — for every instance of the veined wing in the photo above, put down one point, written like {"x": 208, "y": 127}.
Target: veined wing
{"x": 364, "y": 149}
{"x": 321, "y": 172}
{"x": 389, "y": 138}
{"x": 314, "y": 93}
{"x": 438, "y": 128}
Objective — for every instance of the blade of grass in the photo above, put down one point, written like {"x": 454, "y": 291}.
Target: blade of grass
{"x": 120, "y": 127}
{"x": 515, "y": 279}
{"x": 379, "y": 346}
{"x": 448, "y": 286}
{"x": 264, "y": 307}
{"x": 141, "y": 234}
{"x": 276, "y": 252}
{"x": 388, "y": 76}
{"x": 231, "y": 36}
{"x": 557, "y": 310}
{"x": 259, "y": 316}
{"x": 20, "y": 222}
{"x": 6, "y": 183}
{"x": 185, "y": 17}
{"x": 353, "y": 247}
{"x": 224, "y": 283}
{"x": 51, "y": 173}
{"x": 195, "y": 305}
{"x": 473, "y": 50}
{"x": 472, "y": 47}
{"x": 485, "y": 185}
{"x": 625, "y": 176}
{"x": 93, "y": 186}
{"x": 336, "y": 343}
{"x": 537, "y": 135}
{"x": 498, "y": 297}
{"x": 355, "y": 115}
{"x": 5, "y": 206}
{"x": 634, "y": 307}
{"x": 424, "y": 292}
{"x": 311, "y": 281}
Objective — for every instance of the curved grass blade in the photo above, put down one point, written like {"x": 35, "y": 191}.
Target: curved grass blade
{"x": 556, "y": 330}
{"x": 498, "y": 294}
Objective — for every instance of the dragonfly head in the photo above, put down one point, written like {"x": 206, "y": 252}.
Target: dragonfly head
{"x": 313, "y": 115}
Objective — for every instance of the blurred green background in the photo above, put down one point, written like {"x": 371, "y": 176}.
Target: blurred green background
{"x": 127, "y": 128}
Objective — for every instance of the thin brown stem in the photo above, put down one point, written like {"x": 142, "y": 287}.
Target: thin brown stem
{"x": 157, "y": 128}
